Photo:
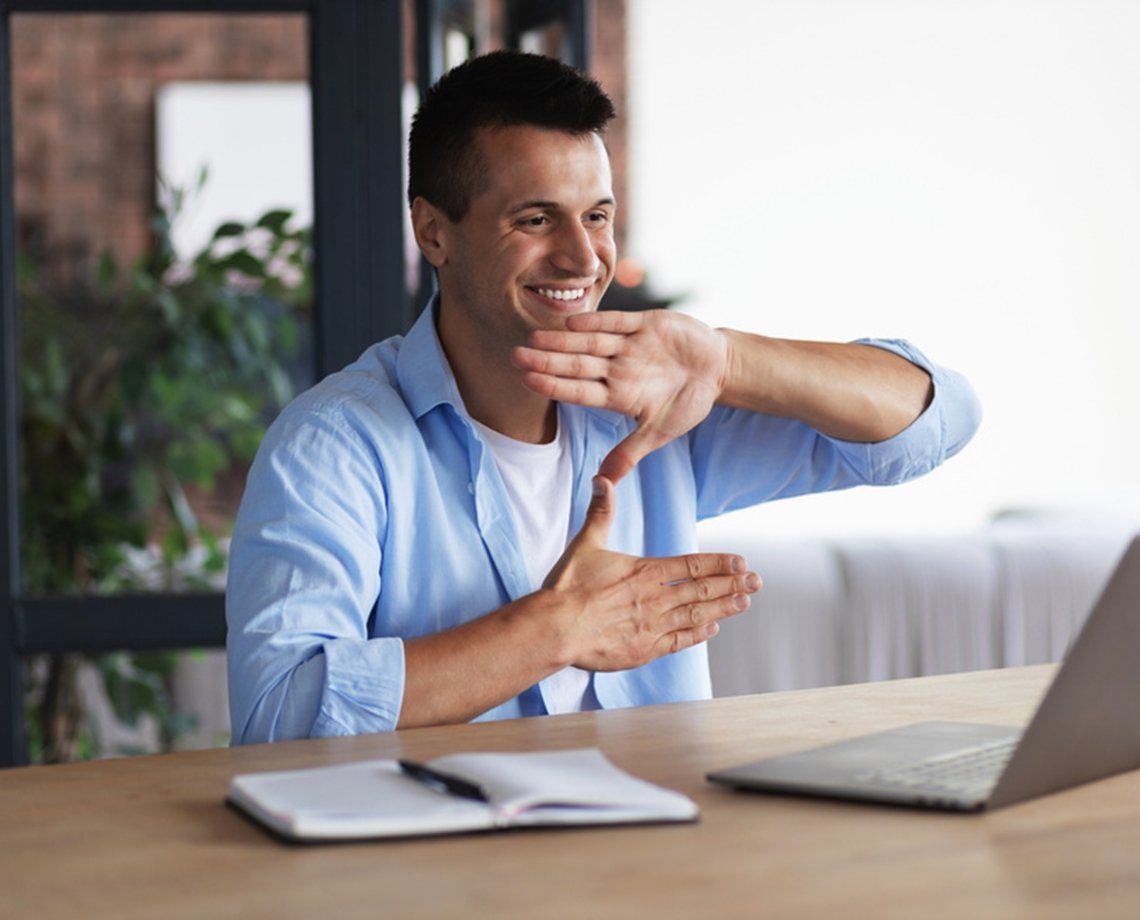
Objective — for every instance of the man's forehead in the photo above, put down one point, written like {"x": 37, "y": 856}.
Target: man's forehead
{"x": 526, "y": 155}
{"x": 518, "y": 142}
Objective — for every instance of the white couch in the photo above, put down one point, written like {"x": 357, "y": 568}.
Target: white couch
{"x": 855, "y": 609}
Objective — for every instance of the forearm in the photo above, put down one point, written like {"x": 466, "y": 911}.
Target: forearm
{"x": 457, "y": 674}
{"x": 852, "y": 392}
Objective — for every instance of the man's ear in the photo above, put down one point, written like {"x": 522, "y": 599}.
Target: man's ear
{"x": 429, "y": 224}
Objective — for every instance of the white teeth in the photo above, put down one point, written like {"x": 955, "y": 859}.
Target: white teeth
{"x": 562, "y": 295}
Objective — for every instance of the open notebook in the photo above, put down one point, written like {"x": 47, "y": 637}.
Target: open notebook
{"x": 1086, "y": 728}
{"x": 457, "y": 793}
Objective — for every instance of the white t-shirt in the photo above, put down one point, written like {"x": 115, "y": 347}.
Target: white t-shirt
{"x": 538, "y": 480}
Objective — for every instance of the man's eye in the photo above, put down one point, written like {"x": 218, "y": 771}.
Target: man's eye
{"x": 539, "y": 220}
{"x": 598, "y": 217}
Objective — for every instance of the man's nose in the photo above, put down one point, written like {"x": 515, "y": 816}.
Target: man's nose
{"x": 575, "y": 250}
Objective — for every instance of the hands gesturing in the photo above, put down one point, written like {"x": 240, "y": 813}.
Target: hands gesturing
{"x": 625, "y": 611}
{"x": 664, "y": 370}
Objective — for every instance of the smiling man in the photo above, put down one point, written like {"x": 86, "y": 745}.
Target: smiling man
{"x": 495, "y": 516}
{"x": 533, "y": 248}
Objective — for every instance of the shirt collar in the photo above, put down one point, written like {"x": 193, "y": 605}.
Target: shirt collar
{"x": 422, "y": 370}
{"x": 427, "y": 381}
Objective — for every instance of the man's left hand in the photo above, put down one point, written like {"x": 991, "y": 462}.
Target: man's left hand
{"x": 662, "y": 369}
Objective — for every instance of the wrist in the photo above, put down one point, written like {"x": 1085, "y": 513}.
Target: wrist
{"x": 727, "y": 362}
{"x": 737, "y": 386}
{"x": 548, "y": 621}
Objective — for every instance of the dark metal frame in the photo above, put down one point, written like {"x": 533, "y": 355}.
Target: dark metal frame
{"x": 356, "y": 73}
{"x": 526, "y": 15}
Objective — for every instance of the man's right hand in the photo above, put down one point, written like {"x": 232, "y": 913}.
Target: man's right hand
{"x": 625, "y": 611}
{"x": 599, "y": 610}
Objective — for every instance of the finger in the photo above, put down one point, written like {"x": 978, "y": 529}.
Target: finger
{"x": 603, "y": 344}
{"x": 686, "y": 638}
{"x": 701, "y": 613}
{"x": 599, "y": 514}
{"x": 696, "y": 590}
{"x": 617, "y": 464}
{"x": 674, "y": 570}
{"x": 619, "y": 321}
{"x": 580, "y": 392}
{"x": 629, "y": 452}
{"x": 556, "y": 364}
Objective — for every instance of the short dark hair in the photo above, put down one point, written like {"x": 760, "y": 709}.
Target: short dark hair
{"x": 497, "y": 90}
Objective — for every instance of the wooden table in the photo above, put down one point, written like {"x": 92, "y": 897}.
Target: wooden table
{"x": 150, "y": 837}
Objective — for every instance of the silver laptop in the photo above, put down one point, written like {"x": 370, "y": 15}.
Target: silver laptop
{"x": 1086, "y": 728}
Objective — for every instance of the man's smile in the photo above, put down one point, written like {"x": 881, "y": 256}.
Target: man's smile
{"x": 562, "y": 293}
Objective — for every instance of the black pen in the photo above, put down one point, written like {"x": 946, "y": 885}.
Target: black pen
{"x": 442, "y": 782}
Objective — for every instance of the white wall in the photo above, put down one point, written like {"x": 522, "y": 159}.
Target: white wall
{"x": 963, "y": 174}
{"x": 255, "y": 139}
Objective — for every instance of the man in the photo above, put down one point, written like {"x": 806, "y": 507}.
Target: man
{"x": 423, "y": 537}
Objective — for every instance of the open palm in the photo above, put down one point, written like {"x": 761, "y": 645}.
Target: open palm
{"x": 664, "y": 370}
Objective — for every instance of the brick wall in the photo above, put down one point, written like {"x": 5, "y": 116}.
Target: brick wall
{"x": 84, "y": 86}
{"x": 83, "y": 91}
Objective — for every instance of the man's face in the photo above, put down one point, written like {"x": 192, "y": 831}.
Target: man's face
{"x": 536, "y": 244}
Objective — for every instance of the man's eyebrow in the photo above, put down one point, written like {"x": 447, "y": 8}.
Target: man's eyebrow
{"x": 552, "y": 205}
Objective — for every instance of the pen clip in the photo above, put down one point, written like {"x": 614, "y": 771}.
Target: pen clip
{"x": 442, "y": 782}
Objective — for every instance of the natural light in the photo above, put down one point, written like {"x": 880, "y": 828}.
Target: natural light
{"x": 963, "y": 175}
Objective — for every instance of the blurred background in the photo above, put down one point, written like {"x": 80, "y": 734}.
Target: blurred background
{"x": 961, "y": 175}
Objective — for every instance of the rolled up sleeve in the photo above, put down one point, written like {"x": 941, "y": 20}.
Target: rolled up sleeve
{"x": 303, "y": 582}
{"x": 742, "y": 458}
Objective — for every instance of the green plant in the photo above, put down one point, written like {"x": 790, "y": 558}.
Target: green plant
{"x": 140, "y": 387}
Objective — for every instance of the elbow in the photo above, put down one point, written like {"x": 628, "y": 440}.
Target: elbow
{"x": 285, "y": 711}
{"x": 962, "y": 420}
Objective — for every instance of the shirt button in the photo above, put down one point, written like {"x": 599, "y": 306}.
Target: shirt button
{"x": 471, "y": 488}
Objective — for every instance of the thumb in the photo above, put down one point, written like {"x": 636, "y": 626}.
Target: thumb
{"x": 626, "y": 455}
{"x": 600, "y": 514}
{"x": 617, "y": 463}
{"x": 595, "y": 530}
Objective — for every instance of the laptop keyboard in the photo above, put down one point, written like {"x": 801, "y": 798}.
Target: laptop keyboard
{"x": 968, "y": 772}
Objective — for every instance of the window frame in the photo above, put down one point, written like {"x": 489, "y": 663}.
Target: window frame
{"x": 356, "y": 71}
{"x": 356, "y": 75}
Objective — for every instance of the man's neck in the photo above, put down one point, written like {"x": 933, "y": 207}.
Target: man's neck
{"x": 524, "y": 416}
{"x": 493, "y": 391}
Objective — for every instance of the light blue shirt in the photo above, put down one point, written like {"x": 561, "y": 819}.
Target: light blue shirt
{"x": 374, "y": 513}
